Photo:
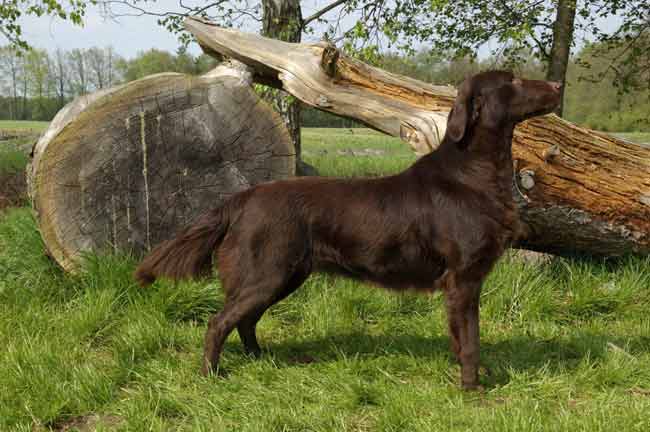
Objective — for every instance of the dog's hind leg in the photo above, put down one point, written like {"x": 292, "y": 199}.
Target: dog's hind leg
{"x": 246, "y": 327}
{"x": 221, "y": 324}
{"x": 253, "y": 278}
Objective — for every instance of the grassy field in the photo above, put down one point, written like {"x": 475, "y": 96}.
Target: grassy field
{"x": 566, "y": 343}
{"x": 37, "y": 126}
{"x": 349, "y": 152}
{"x": 638, "y": 137}
{"x": 13, "y": 152}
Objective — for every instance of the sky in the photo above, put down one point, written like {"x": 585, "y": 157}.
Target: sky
{"x": 128, "y": 35}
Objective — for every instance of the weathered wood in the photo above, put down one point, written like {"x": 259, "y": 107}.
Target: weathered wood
{"x": 124, "y": 168}
{"x": 578, "y": 190}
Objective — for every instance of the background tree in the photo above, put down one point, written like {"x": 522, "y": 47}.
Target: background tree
{"x": 147, "y": 63}
{"x": 37, "y": 71}
{"x": 60, "y": 74}
{"x": 12, "y": 11}
{"x": 11, "y": 66}
{"x": 97, "y": 67}
{"x": 53, "y": 79}
{"x": 545, "y": 28}
{"x": 626, "y": 51}
{"x": 156, "y": 61}
{"x": 77, "y": 71}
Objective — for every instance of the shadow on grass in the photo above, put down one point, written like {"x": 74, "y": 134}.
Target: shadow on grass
{"x": 556, "y": 355}
{"x": 519, "y": 354}
{"x": 335, "y": 347}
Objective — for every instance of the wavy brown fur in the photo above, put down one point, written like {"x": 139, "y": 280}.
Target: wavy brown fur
{"x": 189, "y": 254}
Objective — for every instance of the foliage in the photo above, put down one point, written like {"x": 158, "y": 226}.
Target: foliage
{"x": 156, "y": 61}
{"x": 627, "y": 49}
{"x": 36, "y": 84}
{"x": 514, "y": 28}
{"x": 592, "y": 101}
{"x": 147, "y": 63}
{"x": 12, "y": 11}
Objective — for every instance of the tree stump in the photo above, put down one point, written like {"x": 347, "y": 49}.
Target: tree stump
{"x": 578, "y": 190}
{"x": 122, "y": 169}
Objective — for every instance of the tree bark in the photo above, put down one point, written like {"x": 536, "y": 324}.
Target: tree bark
{"x": 122, "y": 169}
{"x": 562, "y": 41}
{"x": 60, "y": 77}
{"x": 577, "y": 190}
{"x": 282, "y": 20}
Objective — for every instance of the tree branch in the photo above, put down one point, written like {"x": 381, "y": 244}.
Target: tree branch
{"x": 540, "y": 45}
{"x": 322, "y": 12}
{"x": 140, "y": 11}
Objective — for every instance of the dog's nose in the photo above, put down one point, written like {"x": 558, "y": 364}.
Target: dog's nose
{"x": 555, "y": 85}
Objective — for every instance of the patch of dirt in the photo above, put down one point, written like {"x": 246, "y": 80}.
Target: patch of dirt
{"x": 87, "y": 423}
{"x": 10, "y": 134}
{"x": 636, "y": 391}
{"x": 361, "y": 152}
{"x": 302, "y": 359}
{"x": 20, "y": 139}
{"x": 531, "y": 257}
{"x": 347, "y": 152}
{"x": 13, "y": 190}
{"x": 488, "y": 402}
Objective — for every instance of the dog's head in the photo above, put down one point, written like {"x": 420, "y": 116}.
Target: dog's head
{"x": 497, "y": 99}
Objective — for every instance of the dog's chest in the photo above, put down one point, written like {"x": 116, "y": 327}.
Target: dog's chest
{"x": 482, "y": 227}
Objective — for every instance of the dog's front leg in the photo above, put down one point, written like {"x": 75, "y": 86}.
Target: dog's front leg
{"x": 462, "y": 300}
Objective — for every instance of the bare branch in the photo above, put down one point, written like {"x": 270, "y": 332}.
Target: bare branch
{"x": 322, "y": 12}
{"x": 189, "y": 10}
{"x": 540, "y": 45}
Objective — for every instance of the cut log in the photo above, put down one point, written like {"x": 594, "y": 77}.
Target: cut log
{"x": 579, "y": 191}
{"x": 124, "y": 168}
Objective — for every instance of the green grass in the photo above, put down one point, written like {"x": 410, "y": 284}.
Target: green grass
{"x": 330, "y": 151}
{"x": 638, "y": 137}
{"x": 14, "y": 152}
{"x": 567, "y": 345}
{"x": 37, "y": 126}
{"x": 12, "y": 159}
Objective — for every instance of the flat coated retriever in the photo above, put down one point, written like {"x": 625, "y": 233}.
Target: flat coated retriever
{"x": 442, "y": 223}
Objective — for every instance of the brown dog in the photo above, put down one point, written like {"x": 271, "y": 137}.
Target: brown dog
{"x": 442, "y": 223}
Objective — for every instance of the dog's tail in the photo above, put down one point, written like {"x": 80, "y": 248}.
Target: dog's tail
{"x": 189, "y": 254}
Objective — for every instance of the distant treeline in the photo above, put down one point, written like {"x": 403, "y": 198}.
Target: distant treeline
{"x": 595, "y": 104}
{"x": 36, "y": 85}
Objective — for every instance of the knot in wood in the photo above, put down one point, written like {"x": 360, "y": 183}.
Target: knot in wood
{"x": 322, "y": 101}
{"x": 408, "y": 133}
{"x": 551, "y": 152}
{"x": 328, "y": 60}
{"x": 527, "y": 178}
{"x": 645, "y": 199}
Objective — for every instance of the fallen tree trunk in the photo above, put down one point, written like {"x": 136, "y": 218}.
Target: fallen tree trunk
{"x": 578, "y": 190}
{"x": 122, "y": 169}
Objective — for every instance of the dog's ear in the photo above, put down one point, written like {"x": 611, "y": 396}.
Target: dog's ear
{"x": 462, "y": 113}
